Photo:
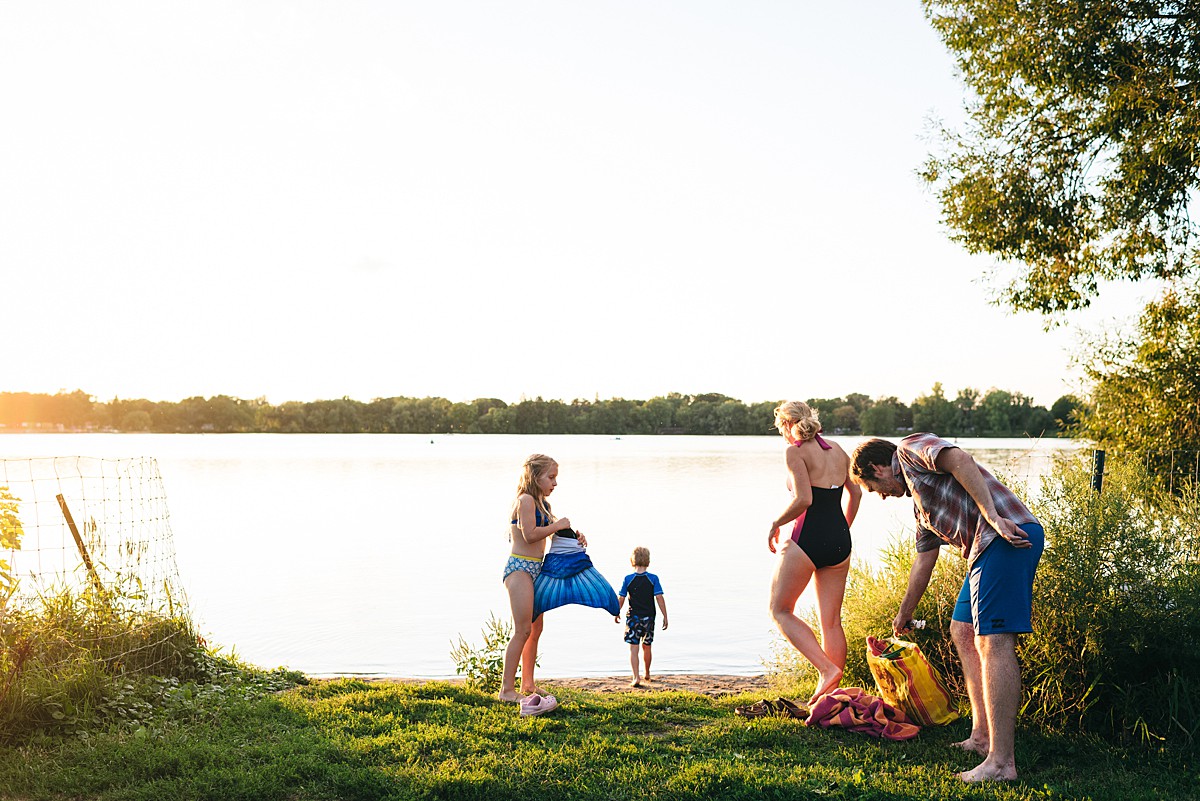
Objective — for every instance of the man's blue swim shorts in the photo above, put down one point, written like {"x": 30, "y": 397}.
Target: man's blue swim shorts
{"x": 997, "y": 595}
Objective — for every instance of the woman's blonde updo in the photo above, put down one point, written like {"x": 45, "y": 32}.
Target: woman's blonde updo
{"x": 796, "y": 421}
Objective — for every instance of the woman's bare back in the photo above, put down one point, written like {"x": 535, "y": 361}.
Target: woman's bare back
{"x": 826, "y": 468}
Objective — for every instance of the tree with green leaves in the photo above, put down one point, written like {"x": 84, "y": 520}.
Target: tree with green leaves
{"x": 1067, "y": 411}
{"x": 965, "y": 403}
{"x": 886, "y": 417}
{"x": 1149, "y": 383}
{"x": 933, "y": 412}
{"x": 1082, "y": 151}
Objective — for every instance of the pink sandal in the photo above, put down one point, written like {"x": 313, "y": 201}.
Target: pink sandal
{"x": 538, "y": 705}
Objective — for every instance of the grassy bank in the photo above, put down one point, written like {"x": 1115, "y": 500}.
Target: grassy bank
{"x": 354, "y": 740}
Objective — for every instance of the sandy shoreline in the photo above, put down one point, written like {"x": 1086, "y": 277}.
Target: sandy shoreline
{"x": 702, "y": 683}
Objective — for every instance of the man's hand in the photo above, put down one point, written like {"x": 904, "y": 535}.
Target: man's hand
{"x": 901, "y": 624}
{"x": 1012, "y": 533}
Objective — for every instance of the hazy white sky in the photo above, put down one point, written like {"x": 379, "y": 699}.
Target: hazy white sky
{"x": 304, "y": 200}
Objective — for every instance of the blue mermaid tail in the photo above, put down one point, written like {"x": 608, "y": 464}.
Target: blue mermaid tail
{"x": 570, "y": 578}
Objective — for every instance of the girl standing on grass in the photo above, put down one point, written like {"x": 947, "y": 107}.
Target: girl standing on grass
{"x": 532, "y": 523}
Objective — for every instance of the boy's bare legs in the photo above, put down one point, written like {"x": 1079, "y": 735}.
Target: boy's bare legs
{"x": 646, "y": 659}
{"x": 633, "y": 665}
{"x": 792, "y": 575}
{"x": 963, "y": 635}
{"x": 1001, "y": 678}
{"x": 520, "y": 597}
{"x": 529, "y": 657}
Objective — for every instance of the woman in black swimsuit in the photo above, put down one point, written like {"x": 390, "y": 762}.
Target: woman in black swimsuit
{"x": 819, "y": 548}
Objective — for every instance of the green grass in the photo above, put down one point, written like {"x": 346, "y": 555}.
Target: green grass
{"x": 355, "y": 740}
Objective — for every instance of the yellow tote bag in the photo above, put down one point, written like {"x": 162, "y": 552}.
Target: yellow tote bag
{"x": 907, "y": 680}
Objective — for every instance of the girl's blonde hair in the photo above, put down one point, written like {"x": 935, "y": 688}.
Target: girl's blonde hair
{"x": 535, "y": 467}
{"x": 796, "y": 421}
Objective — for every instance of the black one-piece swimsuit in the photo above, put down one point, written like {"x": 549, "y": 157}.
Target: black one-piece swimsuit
{"x": 822, "y": 532}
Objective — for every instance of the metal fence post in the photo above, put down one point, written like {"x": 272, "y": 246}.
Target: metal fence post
{"x": 1097, "y": 471}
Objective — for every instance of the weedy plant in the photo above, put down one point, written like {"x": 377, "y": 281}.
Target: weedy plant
{"x": 11, "y": 532}
{"x": 67, "y": 653}
{"x": 483, "y": 666}
{"x": 1116, "y": 645}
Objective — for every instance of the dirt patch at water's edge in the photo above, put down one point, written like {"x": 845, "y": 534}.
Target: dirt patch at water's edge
{"x": 702, "y": 683}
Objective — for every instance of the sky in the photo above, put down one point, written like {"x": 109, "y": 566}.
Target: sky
{"x": 302, "y": 200}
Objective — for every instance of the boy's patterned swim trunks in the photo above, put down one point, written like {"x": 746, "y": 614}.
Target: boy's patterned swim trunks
{"x": 639, "y": 629}
{"x": 524, "y": 564}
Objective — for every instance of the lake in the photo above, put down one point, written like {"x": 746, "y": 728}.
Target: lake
{"x": 370, "y": 554}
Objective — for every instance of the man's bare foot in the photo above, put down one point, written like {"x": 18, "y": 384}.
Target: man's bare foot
{"x": 989, "y": 771}
{"x": 974, "y": 745}
{"x": 510, "y": 696}
{"x": 826, "y": 683}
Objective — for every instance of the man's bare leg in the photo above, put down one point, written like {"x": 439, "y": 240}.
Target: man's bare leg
{"x": 963, "y": 635}
{"x": 1002, "y": 695}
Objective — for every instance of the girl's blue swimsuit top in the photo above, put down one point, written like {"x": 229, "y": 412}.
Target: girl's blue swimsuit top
{"x": 539, "y": 519}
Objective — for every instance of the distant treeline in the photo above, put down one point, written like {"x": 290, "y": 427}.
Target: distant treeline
{"x": 996, "y": 413}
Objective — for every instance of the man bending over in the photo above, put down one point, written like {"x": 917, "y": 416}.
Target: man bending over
{"x": 959, "y": 503}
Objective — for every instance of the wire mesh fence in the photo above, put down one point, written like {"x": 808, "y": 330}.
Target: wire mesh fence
{"x": 1175, "y": 468}
{"x": 87, "y": 543}
{"x": 1025, "y": 467}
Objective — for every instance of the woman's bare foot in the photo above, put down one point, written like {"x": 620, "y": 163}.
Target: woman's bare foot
{"x": 973, "y": 744}
{"x": 509, "y": 696}
{"x": 988, "y": 771}
{"x": 646, "y": 677}
{"x": 535, "y": 690}
{"x": 635, "y": 683}
{"x": 826, "y": 683}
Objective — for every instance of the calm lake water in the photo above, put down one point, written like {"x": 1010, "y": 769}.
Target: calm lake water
{"x": 371, "y": 554}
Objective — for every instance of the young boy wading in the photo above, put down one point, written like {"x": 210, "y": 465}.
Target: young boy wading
{"x": 959, "y": 503}
{"x": 644, "y": 590}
